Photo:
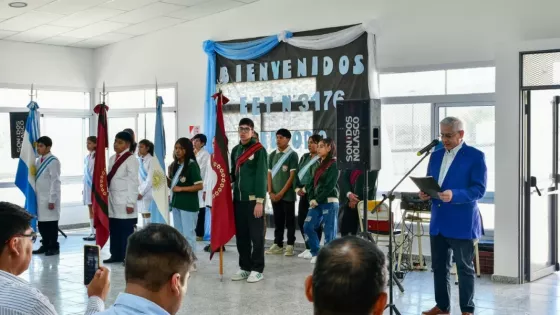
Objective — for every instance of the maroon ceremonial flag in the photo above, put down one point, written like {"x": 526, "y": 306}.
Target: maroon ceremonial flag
{"x": 100, "y": 190}
{"x": 223, "y": 222}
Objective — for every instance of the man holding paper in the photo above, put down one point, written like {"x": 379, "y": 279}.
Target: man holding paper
{"x": 461, "y": 173}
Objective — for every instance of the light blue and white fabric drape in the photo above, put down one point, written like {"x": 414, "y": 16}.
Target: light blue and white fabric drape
{"x": 87, "y": 175}
{"x": 257, "y": 48}
{"x": 235, "y": 51}
{"x": 25, "y": 176}
{"x": 159, "y": 208}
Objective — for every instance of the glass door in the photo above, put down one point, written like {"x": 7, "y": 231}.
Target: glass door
{"x": 541, "y": 183}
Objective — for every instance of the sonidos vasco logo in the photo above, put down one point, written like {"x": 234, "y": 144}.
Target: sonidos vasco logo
{"x": 352, "y": 133}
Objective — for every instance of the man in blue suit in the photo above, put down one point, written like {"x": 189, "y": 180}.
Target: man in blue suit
{"x": 461, "y": 173}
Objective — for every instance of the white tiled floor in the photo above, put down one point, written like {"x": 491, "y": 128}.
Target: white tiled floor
{"x": 60, "y": 278}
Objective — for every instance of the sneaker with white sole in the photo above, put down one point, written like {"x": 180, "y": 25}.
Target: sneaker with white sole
{"x": 240, "y": 275}
{"x": 255, "y": 277}
{"x": 275, "y": 250}
{"x": 289, "y": 250}
{"x": 314, "y": 259}
{"x": 307, "y": 255}
{"x": 302, "y": 254}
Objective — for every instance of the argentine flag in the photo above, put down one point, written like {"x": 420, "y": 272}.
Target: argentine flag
{"x": 25, "y": 176}
{"x": 159, "y": 208}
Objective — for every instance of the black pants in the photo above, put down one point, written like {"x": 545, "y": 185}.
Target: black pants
{"x": 284, "y": 216}
{"x": 303, "y": 208}
{"x": 120, "y": 230}
{"x": 200, "y": 223}
{"x": 463, "y": 253}
{"x": 249, "y": 236}
{"x": 49, "y": 234}
{"x": 349, "y": 222}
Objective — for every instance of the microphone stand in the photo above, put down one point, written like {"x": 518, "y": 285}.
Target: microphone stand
{"x": 391, "y": 196}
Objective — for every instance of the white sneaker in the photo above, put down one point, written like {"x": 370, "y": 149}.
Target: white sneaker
{"x": 240, "y": 275}
{"x": 314, "y": 259}
{"x": 302, "y": 254}
{"x": 255, "y": 277}
{"x": 307, "y": 255}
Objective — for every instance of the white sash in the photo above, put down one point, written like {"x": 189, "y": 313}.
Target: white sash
{"x": 303, "y": 171}
{"x": 175, "y": 180}
{"x": 44, "y": 165}
{"x": 283, "y": 159}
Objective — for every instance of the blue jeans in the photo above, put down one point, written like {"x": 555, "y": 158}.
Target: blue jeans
{"x": 185, "y": 222}
{"x": 325, "y": 215}
{"x": 207, "y": 224}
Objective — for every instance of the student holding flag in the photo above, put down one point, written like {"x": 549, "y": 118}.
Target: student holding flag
{"x": 89, "y": 163}
{"x": 47, "y": 183}
{"x": 282, "y": 166}
{"x": 307, "y": 165}
{"x": 145, "y": 175}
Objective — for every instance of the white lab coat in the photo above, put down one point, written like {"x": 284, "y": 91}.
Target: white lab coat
{"x": 203, "y": 160}
{"x": 123, "y": 191}
{"x": 145, "y": 187}
{"x": 209, "y": 183}
{"x": 89, "y": 163}
{"x": 48, "y": 189}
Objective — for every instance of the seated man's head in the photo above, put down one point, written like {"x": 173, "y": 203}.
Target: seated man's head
{"x": 349, "y": 278}
{"x": 158, "y": 260}
{"x": 16, "y": 238}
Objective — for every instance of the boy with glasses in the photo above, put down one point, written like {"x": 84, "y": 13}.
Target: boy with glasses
{"x": 249, "y": 176}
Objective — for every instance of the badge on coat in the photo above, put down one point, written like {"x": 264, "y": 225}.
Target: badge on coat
{"x": 285, "y": 168}
{"x": 183, "y": 179}
{"x": 252, "y": 157}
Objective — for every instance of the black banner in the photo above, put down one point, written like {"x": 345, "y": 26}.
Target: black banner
{"x": 17, "y": 130}
{"x": 340, "y": 74}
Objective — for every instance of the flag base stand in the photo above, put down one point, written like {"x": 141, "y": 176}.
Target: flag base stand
{"x": 63, "y": 234}
{"x": 221, "y": 264}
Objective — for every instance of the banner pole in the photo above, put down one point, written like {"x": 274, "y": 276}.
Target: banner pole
{"x": 221, "y": 263}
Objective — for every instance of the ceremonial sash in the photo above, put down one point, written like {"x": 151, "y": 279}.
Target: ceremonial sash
{"x": 87, "y": 176}
{"x": 175, "y": 180}
{"x": 116, "y": 166}
{"x": 321, "y": 170}
{"x": 142, "y": 170}
{"x": 248, "y": 153}
{"x": 281, "y": 161}
{"x": 354, "y": 176}
{"x": 305, "y": 168}
{"x": 43, "y": 166}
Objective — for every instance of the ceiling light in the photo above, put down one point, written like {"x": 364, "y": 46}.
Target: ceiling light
{"x": 17, "y": 4}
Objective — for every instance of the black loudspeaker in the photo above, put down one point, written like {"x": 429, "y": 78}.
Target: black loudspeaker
{"x": 359, "y": 134}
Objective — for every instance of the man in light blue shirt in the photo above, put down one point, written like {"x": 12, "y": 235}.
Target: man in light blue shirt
{"x": 158, "y": 260}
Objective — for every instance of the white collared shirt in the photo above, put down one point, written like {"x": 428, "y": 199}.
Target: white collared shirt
{"x": 203, "y": 160}
{"x": 448, "y": 158}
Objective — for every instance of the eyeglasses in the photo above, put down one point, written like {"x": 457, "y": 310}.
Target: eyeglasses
{"x": 244, "y": 129}
{"x": 447, "y": 135}
{"x": 31, "y": 235}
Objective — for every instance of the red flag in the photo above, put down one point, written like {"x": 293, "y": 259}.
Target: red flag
{"x": 100, "y": 189}
{"x": 223, "y": 222}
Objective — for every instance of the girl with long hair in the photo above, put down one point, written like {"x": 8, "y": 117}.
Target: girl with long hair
{"x": 145, "y": 174}
{"x": 323, "y": 198}
{"x": 185, "y": 182}
{"x": 89, "y": 162}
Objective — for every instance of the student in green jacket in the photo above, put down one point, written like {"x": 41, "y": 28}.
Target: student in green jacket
{"x": 249, "y": 175}
{"x": 185, "y": 184}
{"x": 282, "y": 167}
{"x": 352, "y": 192}
{"x": 307, "y": 165}
{"x": 323, "y": 198}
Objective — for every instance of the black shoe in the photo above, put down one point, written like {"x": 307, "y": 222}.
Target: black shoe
{"x": 52, "y": 252}
{"x": 207, "y": 249}
{"x": 90, "y": 238}
{"x": 112, "y": 260}
{"x": 41, "y": 250}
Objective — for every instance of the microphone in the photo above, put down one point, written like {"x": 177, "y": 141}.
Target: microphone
{"x": 428, "y": 147}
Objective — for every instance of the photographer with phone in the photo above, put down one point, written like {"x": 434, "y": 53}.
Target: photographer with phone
{"x": 17, "y": 296}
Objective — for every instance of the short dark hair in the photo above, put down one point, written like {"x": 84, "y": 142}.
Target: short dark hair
{"x": 284, "y": 133}
{"x": 247, "y": 122}
{"x": 255, "y": 134}
{"x": 148, "y": 144}
{"x": 316, "y": 138}
{"x": 45, "y": 140}
{"x": 124, "y": 136}
{"x": 92, "y": 139}
{"x": 154, "y": 254}
{"x": 13, "y": 220}
{"x": 201, "y": 137}
{"x": 349, "y": 276}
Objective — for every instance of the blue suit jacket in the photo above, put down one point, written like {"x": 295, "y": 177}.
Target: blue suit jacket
{"x": 466, "y": 178}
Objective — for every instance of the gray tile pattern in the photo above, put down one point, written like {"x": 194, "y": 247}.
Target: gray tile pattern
{"x": 60, "y": 278}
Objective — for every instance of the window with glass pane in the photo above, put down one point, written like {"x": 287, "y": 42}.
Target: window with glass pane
{"x": 14, "y": 97}
{"x": 170, "y": 132}
{"x": 479, "y": 125}
{"x": 168, "y": 95}
{"x": 473, "y": 80}
{"x": 412, "y": 83}
{"x": 409, "y": 129}
{"x": 8, "y": 165}
{"x": 118, "y": 124}
{"x": 63, "y": 100}
{"x": 126, "y": 99}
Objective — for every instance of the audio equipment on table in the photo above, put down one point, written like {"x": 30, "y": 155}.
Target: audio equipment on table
{"x": 412, "y": 202}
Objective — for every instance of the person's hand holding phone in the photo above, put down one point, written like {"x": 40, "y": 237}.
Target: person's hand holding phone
{"x": 100, "y": 284}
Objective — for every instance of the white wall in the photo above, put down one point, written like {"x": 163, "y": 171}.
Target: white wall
{"x": 45, "y": 65}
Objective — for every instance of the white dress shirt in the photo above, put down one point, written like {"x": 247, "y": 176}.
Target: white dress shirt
{"x": 203, "y": 160}
{"x": 448, "y": 158}
{"x": 123, "y": 190}
{"x": 18, "y": 297}
{"x": 47, "y": 186}
{"x": 145, "y": 188}
{"x": 209, "y": 183}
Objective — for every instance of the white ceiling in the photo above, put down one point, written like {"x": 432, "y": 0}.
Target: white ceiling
{"x": 96, "y": 23}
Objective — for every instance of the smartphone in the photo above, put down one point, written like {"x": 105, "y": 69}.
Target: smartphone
{"x": 91, "y": 262}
